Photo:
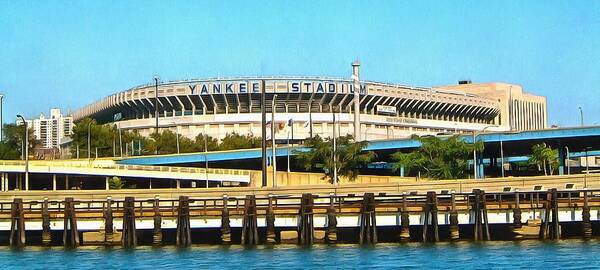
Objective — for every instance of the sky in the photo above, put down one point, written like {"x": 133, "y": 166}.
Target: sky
{"x": 67, "y": 54}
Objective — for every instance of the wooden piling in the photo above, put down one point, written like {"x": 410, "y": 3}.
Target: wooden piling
{"x": 481, "y": 226}
{"x": 430, "y": 211}
{"x": 184, "y": 231}
{"x": 454, "y": 229}
{"x": 17, "y": 224}
{"x": 70, "y": 232}
{"x": 270, "y": 221}
{"x": 586, "y": 225}
{"x": 517, "y": 213}
{"x": 404, "y": 220}
{"x": 306, "y": 228}
{"x": 108, "y": 222}
{"x": 129, "y": 238}
{"x": 225, "y": 222}
{"x": 249, "y": 223}
{"x": 331, "y": 231}
{"x": 367, "y": 221}
{"x": 46, "y": 236}
{"x": 157, "y": 218}
{"x": 550, "y": 228}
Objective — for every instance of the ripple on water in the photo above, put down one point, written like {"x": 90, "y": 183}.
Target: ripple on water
{"x": 495, "y": 254}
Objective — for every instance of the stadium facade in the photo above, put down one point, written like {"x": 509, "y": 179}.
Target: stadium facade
{"x": 305, "y": 105}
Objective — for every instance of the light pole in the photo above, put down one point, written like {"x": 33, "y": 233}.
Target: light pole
{"x": 156, "y": 78}
{"x": 273, "y": 140}
{"x": 206, "y": 158}
{"x": 335, "y": 180}
{"x": 1, "y": 117}
{"x": 89, "y": 142}
{"x": 26, "y": 142}
{"x": 263, "y": 114}
{"x": 581, "y": 115}
{"x": 502, "y": 158}
{"x": 475, "y": 134}
{"x": 568, "y": 160}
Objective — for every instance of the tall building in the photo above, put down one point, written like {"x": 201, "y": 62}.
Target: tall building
{"x": 53, "y": 130}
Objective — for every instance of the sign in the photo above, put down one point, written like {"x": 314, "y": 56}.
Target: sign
{"x": 398, "y": 120}
{"x": 389, "y": 110}
{"x": 275, "y": 86}
{"x": 117, "y": 116}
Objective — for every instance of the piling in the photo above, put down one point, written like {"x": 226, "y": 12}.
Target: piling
{"x": 367, "y": 222}
{"x": 70, "y": 233}
{"x": 306, "y": 227}
{"x": 517, "y": 213}
{"x": 480, "y": 226}
{"x": 331, "y": 231}
{"x": 586, "y": 225}
{"x": 430, "y": 216}
{"x": 454, "y": 229}
{"x": 225, "y": 222}
{"x": 249, "y": 223}
{"x": 550, "y": 228}
{"x": 404, "y": 220}
{"x": 129, "y": 238}
{"x": 157, "y": 230}
{"x": 184, "y": 231}
{"x": 108, "y": 222}
{"x": 46, "y": 236}
{"x": 17, "y": 224}
{"x": 270, "y": 222}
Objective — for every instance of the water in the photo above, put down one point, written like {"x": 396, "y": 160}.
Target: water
{"x": 468, "y": 255}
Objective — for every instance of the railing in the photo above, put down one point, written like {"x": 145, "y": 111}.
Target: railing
{"x": 113, "y": 166}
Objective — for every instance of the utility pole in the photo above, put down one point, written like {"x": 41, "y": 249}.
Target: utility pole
{"x": 581, "y": 115}
{"x": 264, "y": 134}
{"x": 156, "y": 78}
{"x": 26, "y": 143}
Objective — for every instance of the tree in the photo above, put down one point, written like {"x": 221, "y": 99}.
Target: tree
{"x": 12, "y": 145}
{"x": 212, "y": 143}
{"x": 102, "y": 139}
{"x": 544, "y": 158}
{"x": 234, "y": 141}
{"x": 166, "y": 142}
{"x": 349, "y": 156}
{"x": 439, "y": 158}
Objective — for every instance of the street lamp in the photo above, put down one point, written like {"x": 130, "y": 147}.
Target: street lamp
{"x": 26, "y": 151}
{"x": 475, "y": 134}
{"x": 581, "y": 115}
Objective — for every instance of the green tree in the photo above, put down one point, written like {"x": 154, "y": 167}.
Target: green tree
{"x": 234, "y": 141}
{"x": 439, "y": 158}
{"x": 349, "y": 156}
{"x": 103, "y": 139}
{"x": 212, "y": 143}
{"x": 544, "y": 158}
{"x": 12, "y": 145}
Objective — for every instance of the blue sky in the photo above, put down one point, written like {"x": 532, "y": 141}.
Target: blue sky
{"x": 69, "y": 53}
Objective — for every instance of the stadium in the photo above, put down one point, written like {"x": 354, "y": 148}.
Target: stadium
{"x": 304, "y": 106}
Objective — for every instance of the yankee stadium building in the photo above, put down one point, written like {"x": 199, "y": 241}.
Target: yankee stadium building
{"x": 306, "y": 106}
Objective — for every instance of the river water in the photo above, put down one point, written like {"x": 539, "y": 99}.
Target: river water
{"x": 565, "y": 254}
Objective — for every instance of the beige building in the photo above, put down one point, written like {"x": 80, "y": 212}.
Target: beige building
{"x": 518, "y": 110}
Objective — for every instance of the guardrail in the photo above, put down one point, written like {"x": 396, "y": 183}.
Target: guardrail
{"x": 113, "y": 166}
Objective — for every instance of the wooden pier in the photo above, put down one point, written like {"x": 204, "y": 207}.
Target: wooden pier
{"x": 304, "y": 219}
